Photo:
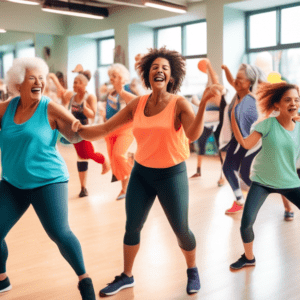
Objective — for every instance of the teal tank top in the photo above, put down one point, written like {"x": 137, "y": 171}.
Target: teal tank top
{"x": 29, "y": 156}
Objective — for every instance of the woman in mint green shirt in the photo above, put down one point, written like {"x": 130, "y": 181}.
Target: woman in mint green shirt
{"x": 274, "y": 167}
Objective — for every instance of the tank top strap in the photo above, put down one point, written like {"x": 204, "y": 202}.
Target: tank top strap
{"x": 141, "y": 105}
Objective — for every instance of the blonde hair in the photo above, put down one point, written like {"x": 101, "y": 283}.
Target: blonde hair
{"x": 16, "y": 74}
{"x": 121, "y": 70}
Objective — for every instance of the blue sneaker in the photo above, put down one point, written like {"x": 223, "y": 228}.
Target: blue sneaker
{"x": 242, "y": 262}
{"x": 5, "y": 285}
{"x": 121, "y": 282}
{"x": 86, "y": 289}
{"x": 193, "y": 285}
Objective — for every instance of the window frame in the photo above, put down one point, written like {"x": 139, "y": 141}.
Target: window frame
{"x": 279, "y": 45}
{"x": 99, "y": 65}
{"x": 183, "y": 37}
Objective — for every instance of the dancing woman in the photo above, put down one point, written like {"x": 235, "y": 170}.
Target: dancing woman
{"x": 83, "y": 106}
{"x": 274, "y": 168}
{"x": 33, "y": 171}
{"x": 163, "y": 124}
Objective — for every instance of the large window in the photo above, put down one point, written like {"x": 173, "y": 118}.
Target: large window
{"x": 26, "y": 52}
{"x": 105, "y": 57}
{"x": 273, "y": 40}
{"x": 189, "y": 39}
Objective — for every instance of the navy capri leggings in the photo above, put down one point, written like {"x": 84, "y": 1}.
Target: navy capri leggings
{"x": 170, "y": 185}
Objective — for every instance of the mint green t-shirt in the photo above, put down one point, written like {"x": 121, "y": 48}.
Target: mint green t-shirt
{"x": 275, "y": 164}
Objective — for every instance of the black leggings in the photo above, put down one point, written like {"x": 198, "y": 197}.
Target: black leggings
{"x": 50, "y": 203}
{"x": 238, "y": 160}
{"x": 171, "y": 187}
{"x": 255, "y": 199}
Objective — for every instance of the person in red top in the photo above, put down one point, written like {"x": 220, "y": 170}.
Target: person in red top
{"x": 163, "y": 124}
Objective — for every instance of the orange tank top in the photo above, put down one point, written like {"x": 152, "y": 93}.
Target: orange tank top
{"x": 159, "y": 145}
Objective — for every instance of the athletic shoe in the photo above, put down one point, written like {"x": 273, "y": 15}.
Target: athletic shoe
{"x": 121, "y": 196}
{"x": 83, "y": 193}
{"x": 235, "y": 208}
{"x": 121, "y": 282}
{"x": 5, "y": 285}
{"x": 289, "y": 215}
{"x": 86, "y": 289}
{"x": 193, "y": 284}
{"x": 242, "y": 262}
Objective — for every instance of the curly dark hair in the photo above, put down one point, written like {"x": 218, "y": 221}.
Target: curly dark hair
{"x": 270, "y": 93}
{"x": 177, "y": 64}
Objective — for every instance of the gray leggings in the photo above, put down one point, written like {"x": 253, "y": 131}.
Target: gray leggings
{"x": 255, "y": 199}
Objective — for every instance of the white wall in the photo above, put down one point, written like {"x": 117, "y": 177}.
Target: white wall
{"x": 82, "y": 51}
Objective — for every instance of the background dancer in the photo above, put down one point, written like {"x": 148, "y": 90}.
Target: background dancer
{"x": 274, "y": 168}
{"x": 33, "y": 171}
{"x": 163, "y": 124}
{"x": 83, "y": 106}
{"x": 119, "y": 140}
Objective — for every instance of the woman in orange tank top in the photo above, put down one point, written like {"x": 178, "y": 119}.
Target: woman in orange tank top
{"x": 163, "y": 123}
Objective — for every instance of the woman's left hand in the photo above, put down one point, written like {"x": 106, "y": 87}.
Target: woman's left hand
{"x": 76, "y": 125}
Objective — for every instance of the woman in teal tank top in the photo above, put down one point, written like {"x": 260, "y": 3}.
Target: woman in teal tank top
{"x": 274, "y": 167}
{"x": 33, "y": 171}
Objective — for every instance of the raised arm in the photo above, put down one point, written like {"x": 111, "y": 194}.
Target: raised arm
{"x": 229, "y": 76}
{"x": 250, "y": 141}
{"x": 95, "y": 132}
{"x": 211, "y": 73}
{"x": 90, "y": 106}
{"x": 193, "y": 125}
{"x": 126, "y": 96}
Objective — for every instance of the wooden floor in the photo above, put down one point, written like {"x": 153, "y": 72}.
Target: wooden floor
{"x": 38, "y": 272}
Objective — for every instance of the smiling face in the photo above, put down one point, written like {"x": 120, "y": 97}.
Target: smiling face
{"x": 242, "y": 83}
{"x": 289, "y": 104}
{"x": 78, "y": 85}
{"x": 33, "y": 84}
{"x": 160, "y": 74}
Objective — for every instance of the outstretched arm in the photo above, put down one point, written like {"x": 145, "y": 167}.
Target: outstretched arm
{"x": 250, "y": 141}
{"x": 95, "y": 132}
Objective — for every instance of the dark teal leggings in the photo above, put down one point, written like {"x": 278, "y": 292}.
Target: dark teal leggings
{"x": 50, "y": 202}
{"x": 255, "y": 199}
{"x": 171, "y": 187}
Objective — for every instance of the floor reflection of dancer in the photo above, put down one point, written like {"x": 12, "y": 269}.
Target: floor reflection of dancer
{"x": 214, "y": 113}
{"x": 83, "y": 106}
{"x": 119, "y": 140}
{"x": 33, "y": 171}
{"x": 163, "y": 124}
{"x": 274, "y": 168}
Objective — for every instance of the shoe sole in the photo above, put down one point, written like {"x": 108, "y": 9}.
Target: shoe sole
{"x": 6, "y": 289}
{"x": 245, "y": 265}
{"x": 121, "y": 288}
{"x": 193, "y": 292}
{"x": 233, "y": 212}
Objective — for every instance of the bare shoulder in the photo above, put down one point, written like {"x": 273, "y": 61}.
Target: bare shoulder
{"x": 182, "y": 104}
{"x": 91, "y": 98}
{"x": 132, "y": 105}
{"x": 3, "y": 107}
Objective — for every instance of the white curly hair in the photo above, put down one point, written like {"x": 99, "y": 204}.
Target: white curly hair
{"x": 16, "y": 74}
{"x": 121, "y": 70}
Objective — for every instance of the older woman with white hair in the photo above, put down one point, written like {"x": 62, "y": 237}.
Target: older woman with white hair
{"x": 239, "y": 159}
{"x": 33, "y": 171}
{"x": 119, "y": 140}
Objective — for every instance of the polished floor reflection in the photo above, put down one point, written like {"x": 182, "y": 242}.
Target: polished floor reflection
{"x": 38, "y": 272}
